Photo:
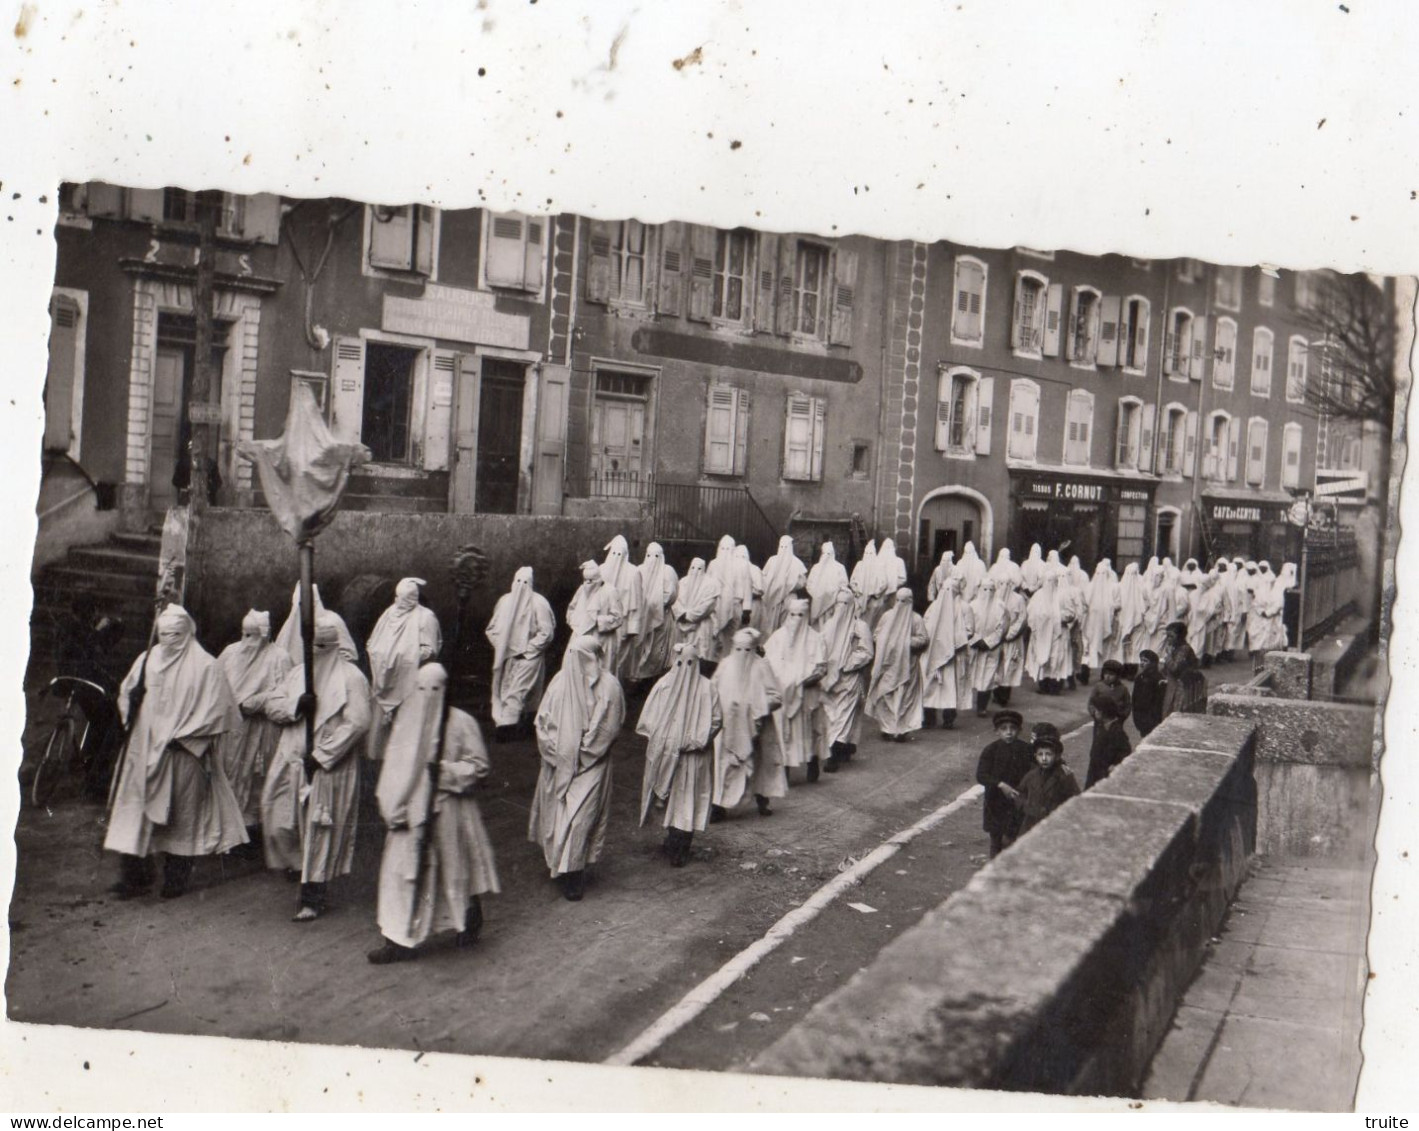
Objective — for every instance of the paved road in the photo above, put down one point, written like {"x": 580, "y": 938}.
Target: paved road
{"x": 549, "y": 978}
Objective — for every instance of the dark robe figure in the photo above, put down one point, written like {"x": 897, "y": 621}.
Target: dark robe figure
{"x": 1148, "y": 693}
{"x": 1005, "y": 760}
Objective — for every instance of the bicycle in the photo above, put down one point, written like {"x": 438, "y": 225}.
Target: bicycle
{"x": 79, "y": 751}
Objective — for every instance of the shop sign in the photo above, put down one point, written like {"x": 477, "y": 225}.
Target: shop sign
{"x": 1132, "y": 495}
{"x": 1079, "y": 492}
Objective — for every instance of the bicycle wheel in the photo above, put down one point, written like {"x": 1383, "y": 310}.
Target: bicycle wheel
{"x": 54, "y": 768}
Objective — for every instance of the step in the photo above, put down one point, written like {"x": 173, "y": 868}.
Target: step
{"x": 65, "y": 578}
{"x": 114, "y": 559}
{"x": 394, "y": 504}
{"x": 146, "y": 543}
{"x": 408, "y": 488}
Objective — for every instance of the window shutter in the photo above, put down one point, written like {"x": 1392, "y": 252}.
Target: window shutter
{"x": 1140, "y": 338}
{"x": 1121, "y": 436}
{"x": 765, "y": 277}
{"x": 548, "y": 472}
{"x": 702, "y": 241}
{"x": 64, "y": 331}
{"x": 968, "y": 316}
{"x": 438, "y": 414}
{"x": 1234, "y": 438}
{"x": 798, "y": 438}
{"x": 1256, "y": 452}
{"x": 347, "y": 395}
{"x": 844, "y": 288}
{"x": 1145, "y": 443}
{"x": 145, "y": 204}
{"x": 425, "y": 225}
{"x": 943, "y": 412}
{"x": 506, "y": 255}
{"x": 671, "y": 284}
{"x": 103, "y": 200}
{"x": 719, "y": 430}
{"x": 1189, "y": 461}
{"x": 985, "y": 405}
{"x": 787, "y": 282}
{"x": 534, "y": 255}
{"x": 1108, "y": 330}
{"x": 1199, "y": 348}
{"x": 1071, "y": 329}
{"x": 741, "y": 431}
{"x": 598, "y": 268}
{"x": 261, "y": 218}
{"x": 820, "y": 420}
{"x": 1169, "y": 343}
{"x": 1021, "y": 298}
{"x": 1054, "y": 304}
{"x": 391, "y": 237}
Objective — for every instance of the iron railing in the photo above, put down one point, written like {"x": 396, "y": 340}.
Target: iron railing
{"x": 1332, "y": 580}
{"x": 611, "y": 485}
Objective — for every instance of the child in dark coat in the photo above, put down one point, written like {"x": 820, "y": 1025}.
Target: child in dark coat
{"x": 1004, "y": 762}
{"x": 1046, "y": 787}
{"x": 1148, "y": 693}
{"x": 1110, "y": 746}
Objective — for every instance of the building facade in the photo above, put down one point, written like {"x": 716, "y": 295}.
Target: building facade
{"x": 704, "y": 380}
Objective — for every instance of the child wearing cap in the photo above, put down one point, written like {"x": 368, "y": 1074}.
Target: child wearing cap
{"x": 1047, "y": 786}
{"x": 1003, "y": 765}
{"x": 1147, "y": 693}
{"x": 1110, "y": 746}
{"x": 1110, "y": 686}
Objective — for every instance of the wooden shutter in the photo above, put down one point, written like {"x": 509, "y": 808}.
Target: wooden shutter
{"x": 1021, "y": 298}
{"x": 720, "y": 431}
{"x": 967, "y": 319}
{"x": 1109, "y": 330}
{"x": 599, "y": 275}
{"x": 784, "y": 321}
{"x": 798, "y": 438}
{"x": 985, "y": 409}
{"x": 1234, "y": 436}
{"x": 103, "y": 200}
{"x": 1256, "y": 452}
{"x": 64, "y": 331}
{"x": 1071, "y": 328}
{"x": 438, "y": 413}
{"x": 534, "y": 255}
{"x": 765, "y": 278}
{"x": 1121, "y": 435}
{"x": 347, "y": 390}
{"x": 702, "y": 246}
{"x": 1198, "y": 365}
{"x": 844, "y": 289}
{"x": 505, "y": 249}
{"x": 1140, "y": 337}
{"x": 1291, "y": 456}
{"x": 1024, "y": 419}
{"x": 1189, "y": 460}
{"x": 1054, "y": 306}
{"x": 820, "y": 420}
{"x": 145, "y": 204}
{"x": 671, "y": 285}
{"x": 549, "y": 470}
{"x": 261, "y": 218}
{"x": 1169, "y": 342}
{"x": 741, "y": 431}
{"x": 427, "y": 224}
{"x": 1145, "y": 442}
{"x": 943, "y": 412}
{"x": 392, "y": 238}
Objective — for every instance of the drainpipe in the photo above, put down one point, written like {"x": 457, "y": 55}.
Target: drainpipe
{"x": 1158, "y": 396}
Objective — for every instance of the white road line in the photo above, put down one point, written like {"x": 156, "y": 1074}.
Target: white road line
{"x": 704, "y": 995}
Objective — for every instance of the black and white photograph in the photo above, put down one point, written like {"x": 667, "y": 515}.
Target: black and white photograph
{"x": 806, "y": 647}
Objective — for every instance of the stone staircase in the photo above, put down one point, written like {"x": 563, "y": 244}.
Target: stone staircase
{"x": 119, "y": 575}
{"x": 425, "y": 493}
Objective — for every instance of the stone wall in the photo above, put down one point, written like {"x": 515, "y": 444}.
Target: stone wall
{"x": 1313, "y": 773}
{"x": 1059, "y": 966}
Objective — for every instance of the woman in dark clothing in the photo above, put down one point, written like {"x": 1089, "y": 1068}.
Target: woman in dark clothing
{"x": 1110, "y": 746}
{"x": 1148, "y": 693}
{"x": 1004, "y": 762}
{"x": 1186, "y": 685}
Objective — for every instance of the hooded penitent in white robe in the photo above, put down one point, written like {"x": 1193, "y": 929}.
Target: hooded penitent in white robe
{"x": 940, "y": 575}
{"x": 1203, "y": 613}
{"x": 894, "y": 695}
{"x": 746, "y": 755}
{"x": 849, "y": 652}
{"x": 1101, "y": 616}
{"x": 756, "y": 588}
{"x": 972, "y": 569}
{"x": 799, "y": 660}
{"x": 680, "y": 718}
{"x": 445, "y": 829}
{"x": 1269, "y": 608}
{"x": 1005, "y": 572}
{"x": 1050, "y": 619}
{"x": 405, "y": 636}
{"x": 1225, "y": 608}
{"x": 736, "y": 594}
{"x": 619, "y": 574}
{"x": 289, "y": 638}
{"x": 659, "y": 585}
{"x": 695, "y": 609}
{"x": 988, "y": 623}
{"x": 1032, "y": 571}
{"x": 520, "y": 630}
{"x": 596, "y": 610}
{"x": 945, "y": 648}
{"x": 864, "y": 576}
{"x": 172, "y": 794}
{"x": 1012, "y": 648}
{"x": 580, "y": 716}
{"x": 891, "y": 574}
{"x": 783, "y": 573}
{"x": 1132, "y": 608}
{"x": 254, "y": 668}
{"x": 824, "y": 580}
{"x": 310, "y": 825}
{"x": 1241, "y": 606}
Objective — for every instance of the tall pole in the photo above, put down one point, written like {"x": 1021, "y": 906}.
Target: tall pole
{"x": 200, "y": 394}
{"x": 306, "y": 549}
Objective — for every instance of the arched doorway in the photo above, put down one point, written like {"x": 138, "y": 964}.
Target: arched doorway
{"x": 947, "y": 519}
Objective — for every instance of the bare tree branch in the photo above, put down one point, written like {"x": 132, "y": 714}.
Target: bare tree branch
{"x": 1350, "y": 323}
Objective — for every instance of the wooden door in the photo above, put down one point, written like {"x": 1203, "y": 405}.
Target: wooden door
{"x": 465, "y": 434}
{"x": 499, "y": 436}
{"x": 168, "y": 424}
{"x": 617, "y": 441}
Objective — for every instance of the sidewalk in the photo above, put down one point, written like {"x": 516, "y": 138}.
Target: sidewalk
{"x": 1272, "y": 1019}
